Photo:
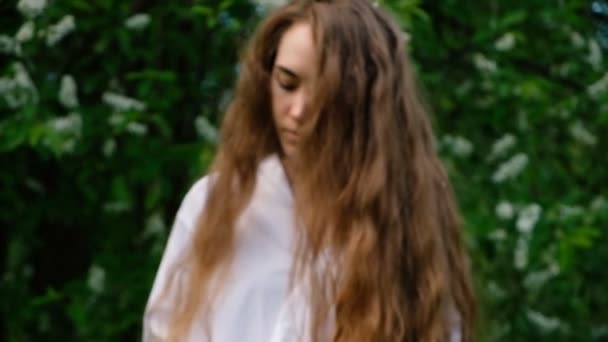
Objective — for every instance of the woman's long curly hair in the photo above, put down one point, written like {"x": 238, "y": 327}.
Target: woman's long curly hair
{"x": 370, "y": 189}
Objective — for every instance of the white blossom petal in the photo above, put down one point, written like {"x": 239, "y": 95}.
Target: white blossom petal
{"x": 506, "y": 42}
{"x": 544, "y": 323}
{"x": 97, "y": 279}
{"x": 568, "y": 211}
{"x": 510, "y": 168}
{"x": 595, "y": 54}
{"x": 498, "y": 235}
{"x": 535, "y": 280}
{"x": 9, "y": 46}
{"x": 520, "y": 256}
{"x": 528, "y": 217}
{"x": 504, "y": 210}
{"x": 62, "y": 28}
{"x": 137, "y": 128}
{"x": 31, "y": 8}
{"x": 269, "y": 3}
{"x": 69, "y": 124}
{"x": 25, "y": 32}
{"x": 205, "y": 129}
{"x": 599, "y": 203}
{"x": 109, "y": 146}
{"x": 122, "y": 103}
{"x": 502, "y": 145}
{"x": 68, "y": 92}
{"x": 137, "y": 22}
{"x": 598, "y": 88}
{"x": 582, "y": 134}
{"x": 458, "y": 145}
{"x": 484, "y": 64}
{"x": 19, "y": 89}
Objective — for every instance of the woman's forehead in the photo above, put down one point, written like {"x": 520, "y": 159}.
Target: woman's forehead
{"x": 297, "y": 50}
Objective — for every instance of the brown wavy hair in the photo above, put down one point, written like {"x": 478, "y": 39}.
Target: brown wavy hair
{"x": 369, "y": 187}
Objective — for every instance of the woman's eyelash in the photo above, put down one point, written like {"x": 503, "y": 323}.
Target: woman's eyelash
{"x": 287, "y": 86}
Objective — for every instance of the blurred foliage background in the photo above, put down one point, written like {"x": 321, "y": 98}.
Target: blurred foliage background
{"x": 109, "y": 109}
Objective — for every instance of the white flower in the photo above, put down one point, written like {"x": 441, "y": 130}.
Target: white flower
{"x": 582, "y": 134}
{"x": 69, "y": 124}
{"x": 577, "y": 39}
{"x": 67, "y": 92}
{"x": 504, "y": 210}
{"x": 527, "y": 218}
{"x": 9, "y": 46}
{"x": 506, "y": 42}
{"x": 599, "y": 331}
{"x": 565, "y": 69}
{"x": 484, "y": 64}
{"x": 599, "y": 87}
{"x": 595, "y": 54}
{"x": 498, "y": 235}
{"x": 270, "y": 3}
{"x": 109, "y": 146}
{"x": 544, "y": 323}
{"x": 598, "y": 203}
{"x": 205, "y": 129}
{"x": 121, "y": 103}
{"x": 21, "y": 77}
{"x": 116, "y": 206}
{"x": 25, "y": 32}
{"x": 495, "y": 291}
{"x": 522, "y": 120}
{"x": 66, "y": 132}
{"x": 510, "y": 168}
{"x": 97, "y": 279}
{"x": 137, "y": 128}
{"x": 117, "y": 119}
{"x": 63, "y": 27}
{"x": 155, "y": 225}
{"x": 6, "y": 44}
{"x": 464, "y": 88}
{"x": 459, "y": 146}
{"x": 18, "y": 90}
{"x": 31, "y": 8}
{"x": 35, "y": 185}
{"x": 502, "y": 145}
{"x": 138, "y": 21}
{"x": 536, "y": 280}
{"x": 6, "y": 85}
{"x": 567, "y": 211}
{"x": 520, "y": 255}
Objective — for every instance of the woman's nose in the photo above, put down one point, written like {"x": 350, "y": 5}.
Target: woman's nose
{"x": 298, "y": 106}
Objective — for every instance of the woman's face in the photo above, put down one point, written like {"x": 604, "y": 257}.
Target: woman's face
{"x": 291, "y": 84}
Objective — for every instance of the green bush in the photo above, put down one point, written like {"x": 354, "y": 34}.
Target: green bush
{"x": 520, "y": 91}
{"x": 107, "y": 119}
{"x": 108, "y": 112}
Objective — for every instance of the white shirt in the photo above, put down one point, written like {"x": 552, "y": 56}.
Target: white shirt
{"x": 256, "y": 289}
{"x": 254, "y": 305}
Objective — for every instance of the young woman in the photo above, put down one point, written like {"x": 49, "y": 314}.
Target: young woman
{"x": 327, "y": 215}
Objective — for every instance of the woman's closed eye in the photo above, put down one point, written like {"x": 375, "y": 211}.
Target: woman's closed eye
{"x": 287, "y": 85}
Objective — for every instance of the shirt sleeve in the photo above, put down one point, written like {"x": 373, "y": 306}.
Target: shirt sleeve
{"x": 158, "y": 310}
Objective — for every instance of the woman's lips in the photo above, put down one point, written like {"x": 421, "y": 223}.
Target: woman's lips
{"x": 291, "y": 136}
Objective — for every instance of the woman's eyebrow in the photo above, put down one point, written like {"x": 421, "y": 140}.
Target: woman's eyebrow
{"x": 287, "y": 71}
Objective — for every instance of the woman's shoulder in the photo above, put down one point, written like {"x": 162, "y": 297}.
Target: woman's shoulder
{"x": 194, "y": 201}
{"x": 270, "y": 178}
